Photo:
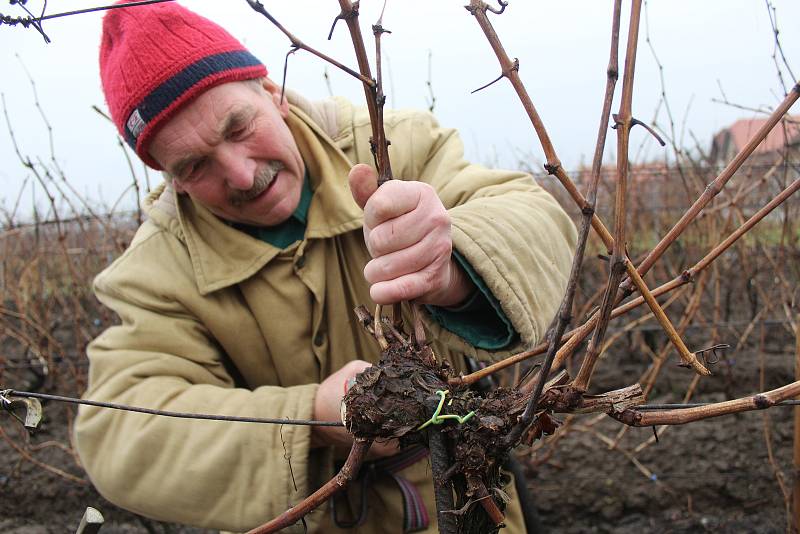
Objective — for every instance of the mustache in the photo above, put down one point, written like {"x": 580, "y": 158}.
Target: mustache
{"x": 261, "y": 181}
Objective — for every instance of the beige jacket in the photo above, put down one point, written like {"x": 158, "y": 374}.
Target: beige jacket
{"x": 214, "y": 321}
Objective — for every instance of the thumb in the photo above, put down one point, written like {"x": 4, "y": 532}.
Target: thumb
{"x": 363, "y": 183}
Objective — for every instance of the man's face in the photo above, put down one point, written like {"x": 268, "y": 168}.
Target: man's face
{"x": 231, "y": 150}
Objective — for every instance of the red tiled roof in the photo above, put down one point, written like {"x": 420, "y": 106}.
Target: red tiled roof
{"x": 782, "y": 134}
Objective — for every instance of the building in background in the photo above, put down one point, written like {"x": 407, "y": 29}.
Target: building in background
{"x": 783, "y": 142}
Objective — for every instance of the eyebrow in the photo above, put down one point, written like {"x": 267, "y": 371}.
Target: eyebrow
{"x": 233, "y": 121}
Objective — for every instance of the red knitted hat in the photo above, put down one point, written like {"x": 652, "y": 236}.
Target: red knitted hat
{"x": 156, "y": 58}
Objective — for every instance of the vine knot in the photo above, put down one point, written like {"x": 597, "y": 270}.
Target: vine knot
{"x": 552, "y": 168}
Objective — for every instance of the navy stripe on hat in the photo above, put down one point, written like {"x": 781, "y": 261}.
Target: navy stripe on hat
{"x": 169, "y": 91}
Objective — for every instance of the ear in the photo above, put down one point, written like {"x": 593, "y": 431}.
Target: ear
{"x": 274, "y": 92}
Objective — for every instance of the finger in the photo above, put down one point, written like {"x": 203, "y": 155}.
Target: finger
{"x": 393, "y": 199}
{"x": 429, "y": 253}
{"x": 407, "y": 287}
{"x": 354, "y": 367}
{"x": 350, "y": 382}
{"x": 404, "y": 231}
{"x": 363, "y": 183}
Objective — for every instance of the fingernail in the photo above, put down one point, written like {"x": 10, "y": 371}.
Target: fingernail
{"x": 350, "y": 382}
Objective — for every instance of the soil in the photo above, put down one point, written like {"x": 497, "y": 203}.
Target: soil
{"x": 708, "y": 476}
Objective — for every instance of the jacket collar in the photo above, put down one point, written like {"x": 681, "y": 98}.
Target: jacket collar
{"x": 222, "y": 256}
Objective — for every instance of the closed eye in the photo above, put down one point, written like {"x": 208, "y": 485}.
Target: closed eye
{"x": 191, "y": 172}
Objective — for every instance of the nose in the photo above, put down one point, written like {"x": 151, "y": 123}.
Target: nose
{"x": 238, "y": 169}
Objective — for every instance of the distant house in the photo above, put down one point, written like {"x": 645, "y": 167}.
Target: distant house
{"x": 772, "y": 166}
{"x": 784, "y": 139}
{"x": 663, "y": 191}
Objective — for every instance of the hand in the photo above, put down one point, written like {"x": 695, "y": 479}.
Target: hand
{"x": 327, "y": 405}
{"x": 407, "y": 232}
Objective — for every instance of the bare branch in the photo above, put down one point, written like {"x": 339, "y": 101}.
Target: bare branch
{"x": 719, "y": 182}
{"x": 773, "y": 20}
{"x": 553, "y": 166}
{"x": 618, "y": 256}
{"x": 575, "y": 336}
{"x": 372, "y": 93}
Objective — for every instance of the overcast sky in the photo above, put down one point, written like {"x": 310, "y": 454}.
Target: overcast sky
{"x": 562, "y": 48}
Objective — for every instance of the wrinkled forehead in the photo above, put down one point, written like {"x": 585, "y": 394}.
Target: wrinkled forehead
{"x": 204, "y": 121}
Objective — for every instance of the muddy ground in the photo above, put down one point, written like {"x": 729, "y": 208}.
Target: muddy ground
{"x": 712, "y": 476}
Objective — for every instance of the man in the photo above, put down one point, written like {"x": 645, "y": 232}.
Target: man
{"x": 236, "y": 296}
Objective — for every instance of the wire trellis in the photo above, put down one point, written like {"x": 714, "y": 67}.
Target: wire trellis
{"x": 180, "y": 415}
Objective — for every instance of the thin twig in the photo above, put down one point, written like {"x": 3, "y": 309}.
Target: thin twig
{"x": 773, "y": 20}
{"x": 258, "y": 7}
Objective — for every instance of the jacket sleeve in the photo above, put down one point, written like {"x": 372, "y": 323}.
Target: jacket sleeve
{"x": 511, "y": 231}
{"x": 224, "y": 475}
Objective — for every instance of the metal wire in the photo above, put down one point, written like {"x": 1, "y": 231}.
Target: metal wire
{"x": 179, "y": 415}
{"x": 92, "y": 10}
{"x": 278, "y": 421}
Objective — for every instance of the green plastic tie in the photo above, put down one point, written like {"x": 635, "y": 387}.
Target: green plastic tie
{"x": 437, "y": 419}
